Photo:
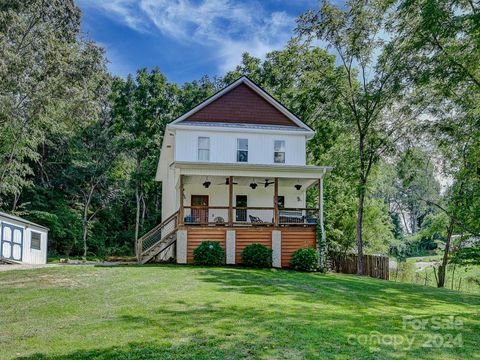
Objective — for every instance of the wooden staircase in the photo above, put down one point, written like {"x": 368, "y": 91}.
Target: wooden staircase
{"x": 157, "y": 240}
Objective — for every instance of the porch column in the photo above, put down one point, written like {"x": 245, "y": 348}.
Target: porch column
{"x": 182, "y": 246}
{"x": 321, "y": 243}
{"x": 230, "y": 201}
{"x": 181, "y": 216}
{"x": 276, "y": 248}
{"x": 230, "y": 247}
{"x": 275, "y": 203}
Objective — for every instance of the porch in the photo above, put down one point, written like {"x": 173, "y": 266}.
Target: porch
{"x": 240, "y": 194}
{"x": 238, "y": 204}
{"x": 247, "y": 201}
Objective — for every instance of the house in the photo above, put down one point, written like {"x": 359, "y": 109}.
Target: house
{"x": 233, "y": 169}
{"x": 22, "y": 241}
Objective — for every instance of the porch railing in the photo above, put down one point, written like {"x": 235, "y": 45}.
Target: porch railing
{"x": 159, "y": 232}
{"x": 249, "y": 216}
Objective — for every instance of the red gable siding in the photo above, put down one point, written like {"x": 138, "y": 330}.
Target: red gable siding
{"x": 241, "y": 105}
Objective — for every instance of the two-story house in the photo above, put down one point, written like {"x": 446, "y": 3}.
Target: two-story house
{"x": 233, "y": 169}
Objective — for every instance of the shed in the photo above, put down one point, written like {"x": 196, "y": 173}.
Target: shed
{"x": 22, "y": 241}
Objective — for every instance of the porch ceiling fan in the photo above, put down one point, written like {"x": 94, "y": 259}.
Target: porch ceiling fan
{"x": 227, "y": 182}
{"x": 268, "y": 182}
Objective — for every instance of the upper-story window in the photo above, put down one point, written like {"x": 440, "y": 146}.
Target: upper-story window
{"x": 242, "y": 150}
{"x": 279, "y": 151}
{"x": 203, "y": 148}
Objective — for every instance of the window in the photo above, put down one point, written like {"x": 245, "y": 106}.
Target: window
{"x": 35, "y": 241}
{"x": 204, "y": 148}
{"x": 242, "y": 150}
{"x": 279, "y": 151}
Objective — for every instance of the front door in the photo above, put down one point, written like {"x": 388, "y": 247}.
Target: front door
{"x": 241, "y": 202}
{"x": 11, "y": 240}
{"x": 199, "y": 208}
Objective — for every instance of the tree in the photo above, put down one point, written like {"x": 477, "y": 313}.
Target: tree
{"x": 94, "y": 154}
{"x": 355, "y": 32}
{"x": 439, "y": 39}
{"x": 49, "y": 78}
{"x": 142, "y": 107}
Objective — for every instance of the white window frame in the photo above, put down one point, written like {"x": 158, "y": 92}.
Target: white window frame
{"x": 239, "y": 149}
{"x": 200, "y": 149}
{"x": 279, "y": 151}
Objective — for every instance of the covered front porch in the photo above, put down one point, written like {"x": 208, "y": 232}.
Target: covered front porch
{"x": 242, "y": 195}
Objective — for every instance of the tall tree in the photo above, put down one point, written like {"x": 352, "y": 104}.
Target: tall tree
{"x": 142, "y": 108}
{"x": 48, "y": 75}
{"x": 94, "y": 153}
{"x": 440, "y": 41}
{"x": 355, "y": 31}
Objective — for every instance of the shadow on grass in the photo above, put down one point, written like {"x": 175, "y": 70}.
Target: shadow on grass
{"x": 277, "y": 314}
{"x": 195, "y": 350}
{"x": 332, "y": 288}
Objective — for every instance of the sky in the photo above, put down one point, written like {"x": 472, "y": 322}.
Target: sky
{"x": 187, "y": 39}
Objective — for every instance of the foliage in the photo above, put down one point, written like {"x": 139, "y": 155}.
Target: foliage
{"x": 304, "y": 260}
{"x": 459, "y": 276}
{"x": 209, "y": 253}
{"x": 51, "y": 79}
{"x": 467, "y": 256}
{"x": 391, "y": 89}
{"x": 372, "y": 96}
{"x": 257, "y": 256}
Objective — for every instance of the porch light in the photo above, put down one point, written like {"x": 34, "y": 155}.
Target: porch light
{"x": 298, "y": 186}
{"x": 253, "y": 185}
{"x": 207, "y": 184}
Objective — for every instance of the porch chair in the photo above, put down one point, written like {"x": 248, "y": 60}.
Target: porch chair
{"x": 255, "y": 219}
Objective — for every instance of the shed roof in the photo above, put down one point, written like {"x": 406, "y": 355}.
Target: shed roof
{"x": 22, "y": 220}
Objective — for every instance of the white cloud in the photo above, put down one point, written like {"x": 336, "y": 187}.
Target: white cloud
{"x": 228, "y": 28}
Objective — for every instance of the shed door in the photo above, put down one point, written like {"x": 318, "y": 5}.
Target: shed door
{"x": 11, "y": 242}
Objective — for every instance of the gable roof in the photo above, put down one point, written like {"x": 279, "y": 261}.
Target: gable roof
{"x": 242, "y": 102}
{"x": 21, "y": 220}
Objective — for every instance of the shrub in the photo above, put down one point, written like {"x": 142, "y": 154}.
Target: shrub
{"x": 257, "y": 255}
{"x": 304, "y": 260}
{"x": 209, "y": 253}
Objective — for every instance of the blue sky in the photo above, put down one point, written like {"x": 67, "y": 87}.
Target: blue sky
{"x": 188, "y": 38}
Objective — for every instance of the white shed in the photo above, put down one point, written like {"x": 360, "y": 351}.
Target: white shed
{"x": 22, "y": 240}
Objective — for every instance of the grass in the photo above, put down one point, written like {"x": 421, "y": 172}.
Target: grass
{"x": 460, "y": 278}
{"x": 171, "y": 312}
{"x": 55, "y": 259}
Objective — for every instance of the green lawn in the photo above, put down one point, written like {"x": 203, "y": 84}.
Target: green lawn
{"x": 170, "y": 312}
{"x": 463, "y": 278}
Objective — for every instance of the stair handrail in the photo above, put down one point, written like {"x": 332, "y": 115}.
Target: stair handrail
{"x": 155, "y": 231}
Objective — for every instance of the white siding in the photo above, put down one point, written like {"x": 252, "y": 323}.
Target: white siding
{"x": 223, "y": 146}
{"x": 33, "y": 256}
{"x": 29, "y": 255}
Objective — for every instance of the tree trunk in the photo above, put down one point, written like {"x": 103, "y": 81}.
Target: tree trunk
{"x": 85, "y": 231}
{"x": 137, "y": 218}
{"x": 359, "y": 239}
{"x": 442, "y": 269}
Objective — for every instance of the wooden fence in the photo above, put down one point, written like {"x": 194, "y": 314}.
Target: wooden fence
{"x": 375, "y": 266}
